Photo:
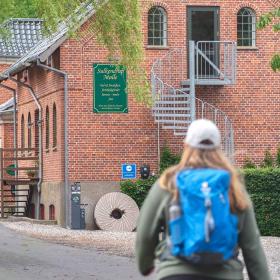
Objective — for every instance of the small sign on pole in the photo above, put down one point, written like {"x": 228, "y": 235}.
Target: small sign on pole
{"x": 129, "y": 171}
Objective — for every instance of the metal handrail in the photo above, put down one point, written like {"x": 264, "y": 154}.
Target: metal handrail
{"x": 222, "y": 59}
{"x": 166, "y": 80}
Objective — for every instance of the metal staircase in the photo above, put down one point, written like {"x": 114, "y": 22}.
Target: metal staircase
{"x": 175, "y": 105}
{"x": 17, "y": 184}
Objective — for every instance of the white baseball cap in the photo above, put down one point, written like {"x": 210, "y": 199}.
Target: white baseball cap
{"x": 203, "y": 134}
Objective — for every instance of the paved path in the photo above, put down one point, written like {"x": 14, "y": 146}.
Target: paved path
{"x": 25, "y": 258}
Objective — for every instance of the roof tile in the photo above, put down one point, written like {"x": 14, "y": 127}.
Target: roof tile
{"x": 25, "y": 33}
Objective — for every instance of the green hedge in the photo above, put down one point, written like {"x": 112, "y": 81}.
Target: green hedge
{"x": 138, "y": 189}
{"x": 263, "y": 184}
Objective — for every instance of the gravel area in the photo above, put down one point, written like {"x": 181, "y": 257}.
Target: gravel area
{"x": 119, "y": 243}
{"x": 116, "y": 243}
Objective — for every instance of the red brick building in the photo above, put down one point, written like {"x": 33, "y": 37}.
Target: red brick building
{"x": 229, "y": 81}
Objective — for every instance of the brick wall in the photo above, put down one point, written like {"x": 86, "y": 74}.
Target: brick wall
{"x": 5, "y": 95}
{"x": 48, "y": 87}
{"x": 100, "y": 143}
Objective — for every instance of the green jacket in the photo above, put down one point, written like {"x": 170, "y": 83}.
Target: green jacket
{"x": 149, "y": 248}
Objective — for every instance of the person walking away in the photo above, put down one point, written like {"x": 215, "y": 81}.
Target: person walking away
{"x": 206, "y": 216}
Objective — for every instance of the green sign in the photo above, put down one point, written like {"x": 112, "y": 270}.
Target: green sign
{"x": 11, "y": 170}
{"x": 110, "y": 89}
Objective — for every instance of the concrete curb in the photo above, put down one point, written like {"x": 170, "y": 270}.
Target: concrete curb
{"x": 31, "y": 221}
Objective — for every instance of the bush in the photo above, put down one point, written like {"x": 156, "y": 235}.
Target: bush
{"x": 263, "y": 185}
{"x": 138, "y": 189}
{"x": 268, "y": 160}
{"x": 248, "y": 163}
{"x": 277, "y": 160}
{"x": 168, "y": 159}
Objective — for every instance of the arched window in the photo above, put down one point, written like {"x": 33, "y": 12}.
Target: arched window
{"x": 42, "y": 212}
{"x": 47, "y": 128}
{"x": 246, "y": 28}
{"x": 29, "y": 135}
{"x": 22, "y": 132}
{"x": 54, "y": 126}
{"x": 157, "y": 27}
{"x": 52, "y": 212}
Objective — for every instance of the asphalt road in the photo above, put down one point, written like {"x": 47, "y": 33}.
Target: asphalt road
{"x": 23, "y": 258}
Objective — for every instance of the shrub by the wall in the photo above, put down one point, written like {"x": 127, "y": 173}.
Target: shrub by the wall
{"x": 168, "y": 159}
{"x": 263, "y": 185}
{"x": 138, "y": 189}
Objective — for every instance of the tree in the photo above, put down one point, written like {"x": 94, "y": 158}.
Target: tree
{"x": 272, "y": 18}
{"x": 117, "y": 25}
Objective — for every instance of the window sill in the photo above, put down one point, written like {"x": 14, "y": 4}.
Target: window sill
{"x": 156, "y": 47}
{"x": 247, "y": 48}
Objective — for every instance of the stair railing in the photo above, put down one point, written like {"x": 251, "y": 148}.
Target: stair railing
{"x": 167, "y": 74}
{"x": 216, "y": 60}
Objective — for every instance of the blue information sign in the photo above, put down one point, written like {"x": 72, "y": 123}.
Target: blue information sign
{"x": 129, "y": 171}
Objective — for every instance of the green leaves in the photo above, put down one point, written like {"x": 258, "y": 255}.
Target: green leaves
{"x": 116, "y": 24}
{"x": 275, "y": 62}
{"x": 263, "y": 185}
{"x": 138, "y": 189}
{"x": 264, "y": 21}
{"x": 268, "y": 18}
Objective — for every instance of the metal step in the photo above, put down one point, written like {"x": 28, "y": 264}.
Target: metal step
{"x": 208, "y": 82}
{"x": 184, "y": 89}
{"x": 175, "y": 95}
{"x": 171, "y": 102}
{"x": 20, "y": 181}
{"x": 180, "y": 133}
{"x": 14, "y": 201}
{"x": 162, "y": 115}
{"x": 17, "y": 190}
{"x": 16, "y": 195}
{"x": 177, "y": 127}
{"x": 20, "y": 158}
{"x": 14, "y": 206}
{"x": 171, "y": 109}
{"x": 172, "y": 121}
{"x": 14, "y": 212}
{"x": 24, "y": 168}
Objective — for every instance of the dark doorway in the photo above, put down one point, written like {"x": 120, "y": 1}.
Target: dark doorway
{"x": 203, "y": 25}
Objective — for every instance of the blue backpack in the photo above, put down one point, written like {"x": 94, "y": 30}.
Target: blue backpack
{"x": 204, "y": 231}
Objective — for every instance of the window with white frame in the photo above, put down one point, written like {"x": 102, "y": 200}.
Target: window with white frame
{"x": 246, "y": 28}
{"x": 157, "y": 27}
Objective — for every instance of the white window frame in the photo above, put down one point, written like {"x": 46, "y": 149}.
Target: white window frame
{"x": 163, "y": 29}
{"x": 253, "y": 27}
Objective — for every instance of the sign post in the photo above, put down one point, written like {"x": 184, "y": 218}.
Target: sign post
{"x": 110, "y": 88}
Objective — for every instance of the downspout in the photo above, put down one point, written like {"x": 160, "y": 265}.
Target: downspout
{"x": 66, "y": 152}
{"x": 14, "y": 124}
{"x": 37, "y": 102}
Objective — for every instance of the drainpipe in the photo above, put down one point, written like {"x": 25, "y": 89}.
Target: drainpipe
{"x": 192, "y": 78}
{"x": 37, "y": 102}
{"x": 66, "y": 152}
{"x": 14, "y": 124}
